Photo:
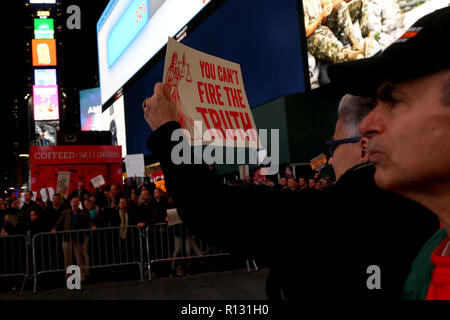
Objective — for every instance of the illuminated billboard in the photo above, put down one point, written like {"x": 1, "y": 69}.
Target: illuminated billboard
{"x": 44, "y": 77}
{"x": 369, "y": 28}
{"x": 90, "y": 110}
{"x": 45, "y": 102}
{"x": 113, "y": 119}
{"x": 42, "y": 1}
{"x": 44, "y": 52}
{"x": 44, "y": 29}
{"x": 131, "y": 32}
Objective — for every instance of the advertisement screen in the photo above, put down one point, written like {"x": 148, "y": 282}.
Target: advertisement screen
{"x": 45, "y": 132}
{"x": 42, "y": 1}
{"x": 90, "y": 110}
{"x": 113, "y": 119}
{"x": 263, "y": 36}
{"x": 44, "y": 77}
{"x": 356, "y": 29}
{"x": 44, "y": 52}
{"x": 45, "y": 102}
{"x": 131, "y": 32}
{"x": 43, "y": 29}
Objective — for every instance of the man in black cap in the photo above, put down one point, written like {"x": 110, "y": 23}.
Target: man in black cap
{"x": 409, "y": 134}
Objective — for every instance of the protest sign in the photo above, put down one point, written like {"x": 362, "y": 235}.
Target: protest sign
{"x": 210, "y": 95}
{"x": 62, "y": 185}
{"x": 172, "y": 217}
{"x": 318, "y": 162}
{"x": 98, "y": 181}
{"x": 134, "y": 165}
{"x": 44, "y": 194}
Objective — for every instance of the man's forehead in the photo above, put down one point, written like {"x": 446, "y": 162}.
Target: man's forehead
{"x": 388, "y": 87}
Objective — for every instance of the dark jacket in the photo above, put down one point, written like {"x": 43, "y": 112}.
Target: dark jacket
{"x": 24, "y": 211}
{"x": 160, "y": 209}
{"x": 37, "y": 226}
{"x": 147, "y": 213}
{"x": 65, "y": 220}
{"x": 379, "y": 228}
{"x": 315, "y": 242}
{"x": 132, "y": 216}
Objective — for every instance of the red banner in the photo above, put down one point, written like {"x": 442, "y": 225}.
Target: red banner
{"x": 83, "y": 163}
{"x": 75, "y": 155}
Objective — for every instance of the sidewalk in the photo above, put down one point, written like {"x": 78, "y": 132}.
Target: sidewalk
{"x": 228, "y": 285}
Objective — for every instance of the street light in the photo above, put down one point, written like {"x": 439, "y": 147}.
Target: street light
{"x": 24, "y": 155}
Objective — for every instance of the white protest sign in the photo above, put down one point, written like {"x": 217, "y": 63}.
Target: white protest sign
{"x": 97, "y": 181}
{"x": 51, "y": 192}
{"x": 62, "y": 186}
{"x": 172, "y": 217}
{"x": 47, "y": 194}
{"x": 134, "y": 165}
{"x": 211, "y": 99}
{"x": 43, "y": 193}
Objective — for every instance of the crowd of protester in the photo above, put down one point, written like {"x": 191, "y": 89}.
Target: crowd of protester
{"x": 145, "y": 205}
{"x": 116, "y": 205}
{"x": 288, "y": 181}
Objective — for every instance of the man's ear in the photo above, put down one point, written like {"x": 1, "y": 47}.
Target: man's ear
{"x": 364, "y": 144}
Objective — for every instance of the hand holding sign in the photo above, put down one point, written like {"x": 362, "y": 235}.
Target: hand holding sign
{"x": 206, "y": 95}
{"x": 160, "y": 108}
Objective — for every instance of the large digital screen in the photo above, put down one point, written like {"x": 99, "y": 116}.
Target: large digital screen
{"x": 44, "y": 52}
{"x": 113, "y": 119}
{"x": 46, "y": 132}
{"x": 46, "y": 102}
{"x": 263, "y": 36}
{"x": 90, "y": 110}
{"x": 131, "y": 32}
{"x": 42, "y": 1}
{"x": 44, "y": 77}
{"x": 356, "y": 29}
{"x": 43, "y": 29}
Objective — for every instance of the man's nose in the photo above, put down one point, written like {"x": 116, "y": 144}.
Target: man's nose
{"x": 372, "y": 124}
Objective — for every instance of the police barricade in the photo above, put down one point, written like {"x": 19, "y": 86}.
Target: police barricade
{"x": 14, "y": 258}
{"x": 103, "y": 247}
{"x": 166, "y": 243}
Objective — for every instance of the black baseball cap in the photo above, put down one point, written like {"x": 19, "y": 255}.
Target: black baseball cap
{"x": 421, "y": 50}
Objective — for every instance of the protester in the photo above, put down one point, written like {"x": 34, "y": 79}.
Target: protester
{"x": 54, "y": 209}
{"x": 146, "y": 211}
{"x": 91, "y": 208}
{"x": 71, "y": 220}
{"x": 26, "y": 207}
{"x": 125, "y": 216}
{"x": 312, "y": 184}
{"x": 292, "y": 184}
{"x": 160, "y": 205}
{"x": 11, "y": 221}
{"x": 80, "y": 192}
{"x": 408, "y": 134}
{"x": 36, "y": 223}
{"x": 302, "y": 183}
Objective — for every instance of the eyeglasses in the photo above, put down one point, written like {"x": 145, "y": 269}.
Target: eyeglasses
{"x": 333, "y": 144}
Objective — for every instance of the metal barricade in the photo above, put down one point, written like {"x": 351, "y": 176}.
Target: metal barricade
{"x": 104, "y": 247}
{"x": 165, "y": 243}
{"x": 14, "y": 259}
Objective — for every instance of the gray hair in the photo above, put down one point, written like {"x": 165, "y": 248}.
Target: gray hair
{"x": 352, "y": 109}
